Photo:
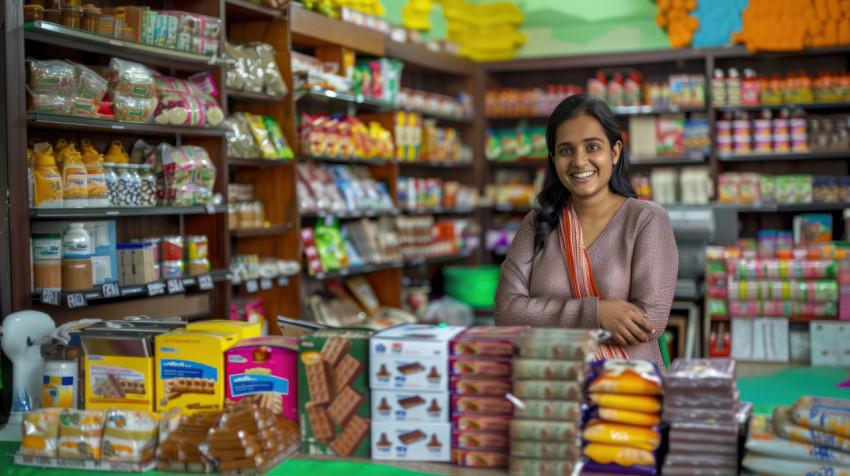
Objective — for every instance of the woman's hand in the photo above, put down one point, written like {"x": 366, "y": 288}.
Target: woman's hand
{"x": 626, "y": 322}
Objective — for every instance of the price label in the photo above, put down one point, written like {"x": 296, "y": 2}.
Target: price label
{"x": 75, "y": 300}
{"x": 156, "y": 288}
{"x": 51, "y": 296}
{"x": 110, "y": 290}
{"x": 210, "y": 209}
{"x": 266, "y": 284}
{"x": 175, "y": 286}
{"x": 283, "y": 281}
{"x": 205, "y": 282}
{"x": 252, "y": 286}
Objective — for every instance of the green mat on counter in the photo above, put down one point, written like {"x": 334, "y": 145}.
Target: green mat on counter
{"x": 787, "y": 385}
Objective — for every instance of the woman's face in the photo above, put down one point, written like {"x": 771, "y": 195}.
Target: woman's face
{"x": 583, "y": 157}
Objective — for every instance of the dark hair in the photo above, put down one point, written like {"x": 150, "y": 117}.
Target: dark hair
{"x": 554, "y": 195}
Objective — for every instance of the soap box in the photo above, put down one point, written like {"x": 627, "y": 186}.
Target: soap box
{"x": 411, "y": 441}
{"x": 190, "y": 369}
{"x": 411, "y": 356}
{"x": 264, "y": 370}
{"x": 333, "y": 392}
{"x": 410, "y": 406}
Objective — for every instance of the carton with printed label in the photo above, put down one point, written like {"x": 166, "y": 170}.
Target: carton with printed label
{"x": 244, "y": 330}
{"x": 411, "y": 356}
{"x": 410, "y": 406}
{"x": 411, "y": 441}
{"x": 264, "y": 370}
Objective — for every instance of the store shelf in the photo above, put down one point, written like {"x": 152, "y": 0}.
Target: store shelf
{"x": 263, "y": 163}
{"x": 438, "y": 259}
{"x": 439, "y": 211}
{"x": 793, "y": 207}
{"x": 435, "y": 165}
{"x": 252, "y": 286}
{"x": 248, "y": 96}
{"x": 740, "y": 51}
{"x": 423, "y": 58}
{"x": 58, "y": 35}
{"x": 772, "y": 107}
{"x": 841, "y": 154}
{"x": 369, "y": 268}
{"x": 69, "y": 213}
{"x": 48, "y": 121}
{"x": 531, "y": 163}
{"x": 96, "y": 296}
{"x": 273, "y": 230}
{"x": 313, "y": 29}
{"x": 338, "y": 160}
{"x": 512, "y": 208}
{"x": 688, "y": 159}
{"x": 791, "y": 320}
{"x": 351, "y": 214}
{"x": 324, "y": 94}
{"x": 649, "y": 110}
{"x": 245, "y": 10}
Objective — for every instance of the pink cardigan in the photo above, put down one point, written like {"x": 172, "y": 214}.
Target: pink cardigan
{"x": 634, "y": 259}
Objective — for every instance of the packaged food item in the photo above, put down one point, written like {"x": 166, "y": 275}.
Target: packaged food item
{"x": 539, "y": 467}
{"x": 536, "y": 348}
{"x": 130, "y": 79}
{"x": 261, "y": 136}
{"x": 549, "y": 410}
{"x": 548, "y": 389}
{"x": 41, "y": 433}
{"x": 831, "y": 415}
{"x": 480, "y": 440}
{"x": 635, "y": 377}
{"x": 709, "y": 400}
{"x": 476, "y": 404}
{"x": 130, "y": 436}
{"x": 701, "y": 374}
{"x": 705, "y": 415}
{"x": 272, "y": 79}
{"x": 180, "y": 451}
{"x": 248, "y": 439}
{"x": 620, "y": 455}
{"x": 489, "y": 423}
{"x": 392, "y": 405}
{"x": 92, "y": 85}
{"x": 240, "y": 139}
{"x": 475, "y": 386}
{"x": 411, "y": 441}
{"x": 80, "y": 433}
{"x": 133, "y": 108}
{"x": 480, "y": 459}
{"x": 74, "y": 179}
{"x": 546, "y": 450}
{"x": 598, "y": 431}
{"x": 763, "y": 440}
{"x": 262, "y": 370}
{"x": 625, "y": 416}
{"x": 277, "y": 138}
{"x": 786, "y": 428}
{"x": 422, "y": 362}
{"x": 547, "y": 369}
{"x": 543, "y": 430}
{"x": 55, "y": 76}
{"x": 786, "y": 467}
{"x": 637, "y": 403}
{"x": 480, "y": 367}
{"x": 47, "y": 182}
{"x": 473, "y": 342}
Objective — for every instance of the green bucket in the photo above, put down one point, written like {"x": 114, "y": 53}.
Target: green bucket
{"x": 473, "y": 285}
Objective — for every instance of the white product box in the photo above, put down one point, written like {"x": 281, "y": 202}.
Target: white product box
{"x": 410, "y": 406}
{"x": 411, "y": 441}
{"x": 411, "y": 356}
{"x": 824, "y": 337}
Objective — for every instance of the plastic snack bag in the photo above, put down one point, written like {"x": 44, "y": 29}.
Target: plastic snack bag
{"x": 330, "y": 245}
{"x": 831, "y": 415}
{"x": 40, "y": 430}
{"x": 633, "y": 377}
{"x": 643, "y": 438}
{"x": 235, "y": 67}
{"x": 261, "y": 135}
{"x": 52, "y": 75}
{"x": 130, "y": 436}
{"x": 127, "y": 78}
{"x": 625, "y": 416}
{"x": 271, "y": 72}
{"x": 605, "y": 455}
{"x": 240, "y": 140}
{"x": 80, "y": 433}
{"x": 277, "y": 138}
{"x": 133, "y": 108}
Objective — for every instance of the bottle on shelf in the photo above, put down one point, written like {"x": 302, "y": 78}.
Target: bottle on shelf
{"x": 763, "y": 132}
{"x": 47, "y": 181}
{"x": 76, "y": 259}
{"x": 74, "y": 178}
{"x": 733, "y": 87}
{"x": 95, "y": 176}
{"x": 750, "y": 88}
{"x": 742, "y": 135}
{"x": 782, "y": 131}
{"x": 718, "y": 88}
{"x": 724, "y": 133}
{"x": 799, "y": 131}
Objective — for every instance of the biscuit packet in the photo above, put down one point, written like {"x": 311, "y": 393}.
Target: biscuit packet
{"x": 632, "y": 377}
{"x": 130, "y": 436}
{"x": 831, "y": 415}
{"x": 181, "y": 450}
{"x": 40, "y": 431}
{"x": 608, "y": 433}
{"x": 127, "y": 78}
{"x": 80, "y": 433}
{"x": 240, "y": 140}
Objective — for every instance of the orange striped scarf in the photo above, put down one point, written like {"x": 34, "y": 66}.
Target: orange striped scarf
{"x": 581, "y": 275}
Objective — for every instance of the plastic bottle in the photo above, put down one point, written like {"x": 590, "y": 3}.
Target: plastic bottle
{"x": 616, "y": 91}
{"x": 718, "y": 88}
{"x": 116, "y": 153}
{"x": 136, "y": 189}
{"x": 111, "y": 183}
{"x": 733, "y": 87}
{"x": 47, "y": 181}
{"x": 750, "y": 88}
{"x": 74, "y": 178}
{"x": 76, "y": 259}
{"x": 763, "y": 132}
{"x": 95, "y": 176}
{"x": 799, "y": 131}
{"x": 781, "y": 131}
{"x": 147, "y": 192}
{"x": 804, "y": 89}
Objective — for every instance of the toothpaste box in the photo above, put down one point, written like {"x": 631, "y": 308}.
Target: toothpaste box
{"x": 411, "y": 441}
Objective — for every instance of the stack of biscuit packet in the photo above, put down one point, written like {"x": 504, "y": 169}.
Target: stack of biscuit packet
{"x": 622, "y": 425}
{"x": 548, "y": 379}
{"x": 810, "y": 437}
{"x": 702, "y": 406}
{"x": 180, "y": 438}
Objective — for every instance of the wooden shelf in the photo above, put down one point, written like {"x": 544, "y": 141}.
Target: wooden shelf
{"x": 251, "y": 286}
{"x": 313, "y": 29}
{"x": 324, "y": 94}
{"x": 440, "y": 211}
{"x": 841, "y": 154}
{"x": 774, "y": 107}
{"x": 58, "y": 35}
{"x": 237, "y": 162}
{"x": 365, "y": 269}
{"x": 531, "y": 163}
{"x": 338, "y": 160}
{"x": 423, "y": 58}
{"x": 689, "y": 159}
{"x": 349, "y": 215}
{"x": 438, "y": 259}
{"x": 50, "y": 121}
{"x": 650, "y": 111}
{"x": 245, "y": 10}
{"x": 273, "y": 230}
{"x": 69, "y": 213}
{"x": 512, "y": 209}
{"x": 248, "y": 96}
{"x": 435, "y": 165}
{"x": 793, "y": 207}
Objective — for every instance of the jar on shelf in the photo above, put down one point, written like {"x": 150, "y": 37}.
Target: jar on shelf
{"x": 259, "y": 214}
{"x": 71, "y": 16}
{"x": 33, "y": 12}
{"x": 111, "y": 183}
{"x": 51, "y": 4}
{"x": 90, "y": 18}
{"x": 53, "y": 15}
{"x": 147, "y": 187}
{"x": 124, "y": 190}
{"x": 246, "y": 216}
{"x": 69, "y": 3}
{"x": 137, "y": 184}
{"x": 232, "y": 216}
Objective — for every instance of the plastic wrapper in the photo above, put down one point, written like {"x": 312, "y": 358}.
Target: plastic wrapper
{"x": 549, "y": 410}
{"x": 40, "y": 430}
{"x": 700, "y": 415}
{"x": 764, "y": 440}
{"x": 478, "y": 404}
{"x": 180, "y": 451}
{"x": 717, "y": 401}
{"x": 185, "y": 175}
{"x": 643, "y": 438}
{"x": 548, "y": 369}
{"x": 494, "y": 423}
{"x": 261, "y": 136}
{"x": 489, "y": 367}
{"x": 624, "y": 416}
{"x": 480, "y": 440}
{"x": 199, "y": 25}
{"x": 272, "y": 79}
{"x": 542, "y": 430}
{"x": 244, "y": 71}
{"x": 475, "y": 386}
{"x": 240, "y": 139}
{"x": 786, "y": 428}
{"x": 636, "y": 403}
{"x": 52, "y": 75}
{"x": 81, "y": 433}
{"x": 482, "y": 342}
{"x": 479, "y": 459}
{"x": 540, "y": 467}
{"x": 692, "y": 471}
{"x": 613, "y": 456}
{"x": 46, "y": 102}
{"x": 548, "y": 389}
{"x": 127, "y": 78}
{"x": 175, "y": 85}
{"x": 556, "y": 348}
{"x": 545, "y": 450}
{"x": 701, "y": 374}
{"x": 831, "y": 415}
{"x": 633, "y": 377}
{"x": 705, "y": 461}
{"x": 774, "y": 268}
{"x": 76, "y": 105}
{"x": 785, "y": 467}
{"x": 130, "y": 436}
{"x": 699, "y": 449}
{"x": 92, "y": 85}
{"x": 133, "y": 108}
{"x": 189, "y": 194}
{"x": 277, "y": 138}
{"x": 705, "y": 433}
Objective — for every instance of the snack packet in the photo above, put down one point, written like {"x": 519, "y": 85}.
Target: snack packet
{"x": 261, "y": 135}
{"x": 80, "y": 433}
{"x": 277, "y": 138}
{"x": 130, "y": 436}
{"x": 40, "y": 431}
{"x": 633, "y": 377}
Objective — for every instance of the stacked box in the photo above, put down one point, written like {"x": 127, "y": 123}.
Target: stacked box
{"x": 622, "y": 430}
{"x": 702, "y": 406}
{"x": 844, "y": 289}
{"x": 548, "y": 381}
{"x": 333, "y": 392}
{"x": 135, "y": 264}
{"x": 408, "y": 376}
{"x": 480, "y": 369}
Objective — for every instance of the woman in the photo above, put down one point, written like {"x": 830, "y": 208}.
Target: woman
{"x": 591, "y": 256}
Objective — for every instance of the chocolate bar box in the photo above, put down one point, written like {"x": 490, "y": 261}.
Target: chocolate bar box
{"x": 333, "y": 392}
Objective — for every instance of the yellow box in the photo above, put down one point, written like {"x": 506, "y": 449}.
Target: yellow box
{"x": 242, "y": 328}
{"x": 119, "y": 382}
{"x": 190, "y": 369}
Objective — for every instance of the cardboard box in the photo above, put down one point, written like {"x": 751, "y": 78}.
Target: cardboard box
{"x": 411, "y": 356}
{"x": 411, "y": 441}
{"x": 244, "y": 330}
{"x": 410, "y": 406}
{"x": 119, "y": 382}
{"x": 264, "y": 369}
{"x": 190, "y": 369}
{"x": 333, "y": 392}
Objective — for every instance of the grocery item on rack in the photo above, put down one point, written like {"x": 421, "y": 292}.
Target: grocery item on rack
{"x": 244, "y": 211}
{"x": 62, "y": 87}
{"x": 344, "y": 137}
{"x": 46, "y": 189}
{"x": 41, "y": 433}
{"x": 240, "y": 139}
{"x": 517, "y": 143}
{"x": 252, "y": 67}
{"x": 131, "y": 87}
{"x": 253, "y": 137}
{"x": 326, "y": 188}
{"x": 415, "y": 193}
{"x": 185, "y": 175}
{"x": 753, "y": 188}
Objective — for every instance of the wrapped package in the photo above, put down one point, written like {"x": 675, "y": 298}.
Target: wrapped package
{"x": 549, "y": 410}
{"x": 619, "y": 459}
{"x": 542, "y": 430}
{"x": 40, "y": 430}
{"x": 56, "y": 76}
{"x": 701, "y": 375}
{"x": 786, "y": 467}
{"x": 635, "y": 403}
{"x": 764, "y": 440}
{"x": 130, "y": 436}
{"x": 240, "y": 139}
{"x": 831, "y": 415}
{"x": 80, "y": 433}
{"x": 633, "y": 377}
{"x": 704, "y": 415}
{"x": 624, "y": 416}
{"x": 272, "y": 79}
{"x": 708, "y": 400}
{"x": 642, "y": 438}
{"x": 785, "y": 427}
{"x": 130, "y": 79}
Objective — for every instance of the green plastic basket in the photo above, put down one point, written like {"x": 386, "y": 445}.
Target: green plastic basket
{"x": 473, "y": 285}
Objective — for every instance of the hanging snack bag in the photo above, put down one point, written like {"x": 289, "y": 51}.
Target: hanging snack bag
{"x": 261, "y": 135}
{"x": 80, "y": 433}
{"x": 235, "y": 67}
{"x": 277, "y": 138}
{"x": 40, "y": 430}
{"x": 330, "y": 246}
{"x": 130, "y": 436}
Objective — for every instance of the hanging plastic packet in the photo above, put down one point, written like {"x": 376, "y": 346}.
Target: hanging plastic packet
{"x": 330, "y": 246}
{"x": 240, "y": 139}
{"x": 267, "y": 148}
{"x": 272, "y": 78}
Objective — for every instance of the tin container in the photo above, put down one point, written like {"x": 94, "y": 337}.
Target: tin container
{"x": 195, "y": 267}
{"x": 172, "y": 248}
{"x": 171, "y": 269}
{"x": 71, "y": 16}
{"x": 197, "y": 247}
{"x": 33, "y": 13}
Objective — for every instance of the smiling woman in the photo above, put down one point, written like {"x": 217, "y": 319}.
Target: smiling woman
{"x": 591, "y": 255}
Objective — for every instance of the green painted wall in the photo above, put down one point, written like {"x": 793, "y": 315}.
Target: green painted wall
{"x": 568, "y": 27}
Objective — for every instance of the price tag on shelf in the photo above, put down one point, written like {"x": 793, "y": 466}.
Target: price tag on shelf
{"x": 205, "y": 282}
{"x": 175, "y": 286}
{"x": 75, "y": 300}
{"x": 113, "y": 212}
{"x": 51, "y": 296}
{"x": 283, "y": 281}
{"x": 266, "y": 284}
{"x": 156, "y": 288}
{"x": 252, "y": 286}
{"x": 210, "y": 209}
{"x": 110, "y": 290}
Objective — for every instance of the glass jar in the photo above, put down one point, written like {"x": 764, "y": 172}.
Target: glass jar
{"x": 52, "y": 15}
{"x": 33, "y": 13}
{"x": 147, "y": 188}
{"x": 259, "y": 214}
{"x": 137, "y": 184}
{"x": 90, "y": 19}
{"x": 51, "y": 4}
{"x": 124, "y": 191}
{"x": 246, "y": 216}
{"x": 70, "y": 3}
{"x": 232, "y": 216}
{"x": 71, "y": 16}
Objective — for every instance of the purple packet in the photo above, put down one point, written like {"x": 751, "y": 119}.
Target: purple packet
{"x": 592, "y": 467}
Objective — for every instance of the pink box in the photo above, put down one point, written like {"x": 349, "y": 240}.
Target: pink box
{"x": 844, "y": 308}
{"x": 259, "y": 365}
